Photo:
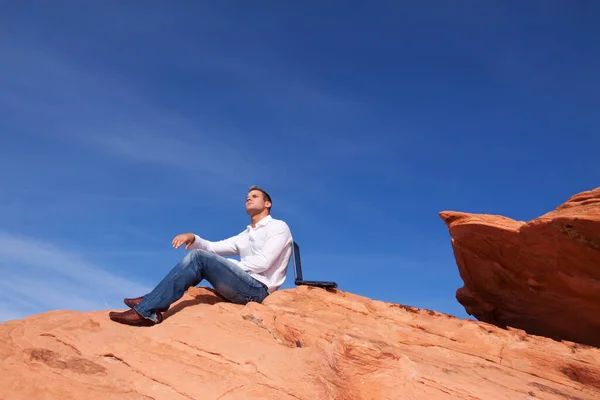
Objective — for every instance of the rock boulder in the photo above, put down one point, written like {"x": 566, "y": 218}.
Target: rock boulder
{"x": 542, "y": 276}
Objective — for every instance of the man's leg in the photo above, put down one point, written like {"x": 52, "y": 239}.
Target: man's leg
{"x": 228, "y": 279}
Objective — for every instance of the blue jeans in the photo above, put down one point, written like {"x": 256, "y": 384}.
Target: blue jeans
{"x": 226, "y": 277}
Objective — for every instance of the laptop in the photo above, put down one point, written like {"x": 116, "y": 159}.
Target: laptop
{"x": 298, "y": 279}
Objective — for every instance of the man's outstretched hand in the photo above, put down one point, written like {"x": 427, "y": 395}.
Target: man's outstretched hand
{"x": 184, "y": 238}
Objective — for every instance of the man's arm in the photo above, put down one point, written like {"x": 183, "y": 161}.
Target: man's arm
{"x": 277, "y": 240}
{"x": 227, "y": 247}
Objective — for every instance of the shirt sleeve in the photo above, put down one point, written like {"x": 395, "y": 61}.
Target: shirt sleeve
{"x": 277, "y": 239}
{"x": 227, "y": 247}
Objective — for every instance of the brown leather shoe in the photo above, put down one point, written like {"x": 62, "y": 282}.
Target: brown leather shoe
{"x": 131, "y": 317}
{"x": 133, "y": 302}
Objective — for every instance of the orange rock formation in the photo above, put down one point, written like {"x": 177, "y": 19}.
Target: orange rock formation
{"x": 542, "y": 276}
{"x": 303, "y": 343}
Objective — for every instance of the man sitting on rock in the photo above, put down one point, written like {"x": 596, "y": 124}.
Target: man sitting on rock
{"x": 264, "y": 248}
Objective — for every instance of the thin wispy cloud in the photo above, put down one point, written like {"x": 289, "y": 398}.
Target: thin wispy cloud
{"x": 102, "y": 113}
{"x": 39, "y": 276}
{"x": 112, "y": 137}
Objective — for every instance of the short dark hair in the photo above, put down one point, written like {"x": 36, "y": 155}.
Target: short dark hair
{"x": 266, "y": 196}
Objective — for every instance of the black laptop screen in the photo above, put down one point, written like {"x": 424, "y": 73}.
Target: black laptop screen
{"x": 297, "y": 262}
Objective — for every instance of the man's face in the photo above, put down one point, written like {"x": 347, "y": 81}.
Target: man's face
{"x": 255, "y": 202}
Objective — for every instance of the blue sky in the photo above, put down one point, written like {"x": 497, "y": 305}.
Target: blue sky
{"x": 124, "y": 124}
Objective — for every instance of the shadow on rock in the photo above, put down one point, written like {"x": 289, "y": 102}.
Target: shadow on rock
{"x": 203, "y": 298}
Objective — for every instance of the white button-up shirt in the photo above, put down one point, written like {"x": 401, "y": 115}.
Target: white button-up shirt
{"x": 264, "y": 250}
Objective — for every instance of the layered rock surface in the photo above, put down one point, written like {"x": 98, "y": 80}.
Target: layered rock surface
{"x": 542, "y": 276}
{"x": 303, "y": 343}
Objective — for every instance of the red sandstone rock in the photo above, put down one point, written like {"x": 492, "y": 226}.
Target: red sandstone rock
{"x": 542, "y": 276}
{"x": 304, "y": 343}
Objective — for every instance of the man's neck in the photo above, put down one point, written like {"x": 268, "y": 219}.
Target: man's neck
{"x": 256, "y": 218}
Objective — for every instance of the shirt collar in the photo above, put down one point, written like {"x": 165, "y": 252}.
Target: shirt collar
{"x": 262, "y": 222}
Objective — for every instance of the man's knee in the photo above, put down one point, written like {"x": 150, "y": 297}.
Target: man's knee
{"x": 195, "y": 260}
{"x": 197, "y": 255}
